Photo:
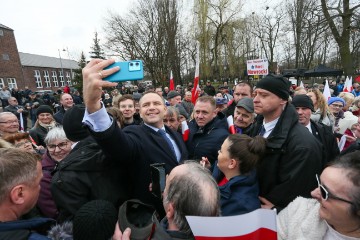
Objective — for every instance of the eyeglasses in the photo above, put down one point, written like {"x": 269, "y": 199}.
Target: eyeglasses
{"x": 61, "y": 146}
{"x": 337, "y": 105}
{"x": 325, "y": 194}
{"x": 10, "y": 122}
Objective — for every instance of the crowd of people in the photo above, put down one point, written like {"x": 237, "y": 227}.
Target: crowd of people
{"x": 83, "y": 169}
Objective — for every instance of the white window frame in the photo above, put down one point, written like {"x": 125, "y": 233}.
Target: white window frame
{"x": 2, "y": 84}
{"x": 62, "y": 82}
{"x": 11, "y": 83}
{"x": 68, "y": 78}
{"x": 54, "y": 78}
{"x": 38, "y": 81}
{"x": 47, "y": 79}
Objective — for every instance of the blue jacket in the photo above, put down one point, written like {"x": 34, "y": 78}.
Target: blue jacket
{"x": 239, "y": 195}
{"x": 25, "y": 229}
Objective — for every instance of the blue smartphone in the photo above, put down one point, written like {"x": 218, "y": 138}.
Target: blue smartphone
{"x": 129, "y": 71}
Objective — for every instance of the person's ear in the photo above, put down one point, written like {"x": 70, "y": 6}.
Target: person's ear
{"x": 17, "y": 194}
{"x": 170, "y": 211}
{"x": 232, "y": 164}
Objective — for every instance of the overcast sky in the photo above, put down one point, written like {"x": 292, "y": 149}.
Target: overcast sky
{"x": 43, "y": 26}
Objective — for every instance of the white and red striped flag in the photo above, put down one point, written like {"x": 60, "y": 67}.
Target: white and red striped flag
{"x": 326, "y": 91}
{"x": 185, "y": 131}
{"x": 22, "y": 128}
{"x": 195, "y": 92}
{"x": 171, "y": 85}
{"x": 257, "y": 225}
{"x": 231, "y": 127}
{"x": 348, "y": 85}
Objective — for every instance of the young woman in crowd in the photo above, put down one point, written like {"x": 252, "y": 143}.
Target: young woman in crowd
{"x": 236, "y": 175}
{"x": 334, "y": 213}
{"x": 322, "y": 113}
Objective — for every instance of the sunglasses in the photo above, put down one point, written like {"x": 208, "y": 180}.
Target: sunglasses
{"x": 325, "y": 194}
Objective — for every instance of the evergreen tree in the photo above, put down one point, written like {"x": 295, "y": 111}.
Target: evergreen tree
{"x": 97, "y": 51}
{"x": 78, "y": 79}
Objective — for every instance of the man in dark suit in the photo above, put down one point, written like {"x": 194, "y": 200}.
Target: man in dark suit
{"x": 136, "y": 146}
{"x": 304, "y": 107}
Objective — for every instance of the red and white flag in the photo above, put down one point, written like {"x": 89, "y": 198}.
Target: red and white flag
{"x": 231, "y": 127}
{"x": 326, "y": 92}
{"x": 195, "y": 92}
{"x": 185, "y": 131}
{"x": 348, "y": 85}
{"x": 22, "y": 128}
{"x": 171, "y": 85}
{"x": 257, "y": 225}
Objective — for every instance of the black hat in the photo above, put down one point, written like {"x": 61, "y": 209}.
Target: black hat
{"x": 95, "y": 220}
{"x": 303, "y": 100}
{"x": 44, "y": 109}
{"x": 72, "y": 123}
{"x": 31, "y": 93}
{"x": 275, "y": 84}
{"x": 182, "y": 111}
{"x": 138, "y": 217}
{"x": 247, "y": 104}
{"x": 172, "y": 94}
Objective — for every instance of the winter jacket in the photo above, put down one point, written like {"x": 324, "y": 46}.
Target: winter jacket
{"x": 161, "y": 232}
{"x": 240, "y": 195}
{"x": 59, "y": 115}
{"x": 45, "y": 202}
{"x": 31, "y": 229}
{"x": 300, "y": 220}
{"x": 38, "y": 134}
{"x": 293, "y": 156}
{"x": 206, "y": 141}
{"x": 84, "y": 175}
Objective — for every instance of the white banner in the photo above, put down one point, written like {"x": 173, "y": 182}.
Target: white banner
{"x": 257, "y": 67}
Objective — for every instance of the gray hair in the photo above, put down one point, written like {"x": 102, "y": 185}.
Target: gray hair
{"x": 2, "y": 114}
{"x": 16, "y": 167}
{"x": 194, "y": 193}
{"x": 57, "y": 133}
{"x": 172, "y": 112}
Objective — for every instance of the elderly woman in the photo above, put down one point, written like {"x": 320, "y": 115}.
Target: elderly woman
{"x": 45, "y": 122}
{"x": 334, "y": 213}
{"x": 58, "y": 147}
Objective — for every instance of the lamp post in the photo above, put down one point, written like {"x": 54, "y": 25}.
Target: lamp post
{"x": 62, "y": 69}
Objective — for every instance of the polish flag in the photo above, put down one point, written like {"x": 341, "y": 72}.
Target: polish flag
{"x": 195, "y": 92}
{"x": 172, "y": 86}
{"x": 22, "y": 128}
{"x": 231, "y": 127}
{"x": 257, "y": 225}
{"x": 326, "y": 91}
{"x": 348, "y": 85}
{"x": 301, "y": 85}
{"x": 185, "y": 131}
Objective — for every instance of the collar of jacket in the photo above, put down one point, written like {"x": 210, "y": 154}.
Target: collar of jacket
{"x": 214, "y": 123}
{"x": 288, "y": 119}
{"x": 248, "y": 179}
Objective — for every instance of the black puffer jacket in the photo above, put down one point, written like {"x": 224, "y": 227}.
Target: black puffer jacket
{"x": 85, "y": 175}
{"x": 292, "y": 159}
{"x": 207, "y": 141}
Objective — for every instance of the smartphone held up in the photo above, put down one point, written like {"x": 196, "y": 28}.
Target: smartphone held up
{"x": 129, "y": 71}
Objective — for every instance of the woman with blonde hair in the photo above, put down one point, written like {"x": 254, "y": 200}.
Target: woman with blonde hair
{"x": 322, "y": 113}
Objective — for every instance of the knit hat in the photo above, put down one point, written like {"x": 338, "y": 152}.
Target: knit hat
{"x": 336, "y": 99}
{"x": 172, "y": 94}
{"x": 72, "y": 123}
{"x": 303, "y": 100}
{"x": 275, "y": 84}
{"x": 44, "y": 109}
{"x": 95, "y": 220}
{"x": 182, "y": 111}
{"x": 138, "y": 216}
{"x": 247, "y": 104}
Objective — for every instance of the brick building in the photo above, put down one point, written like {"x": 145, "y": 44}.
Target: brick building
{"x": 18, "y": 70}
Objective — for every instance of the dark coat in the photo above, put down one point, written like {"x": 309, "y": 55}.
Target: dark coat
{"x": 240, "y": 195}
{"x": 59, "y": 115}
{"x": 45, "y": 201}
{"x": 26, "y": 229}
{"x": 230, "y": 108}
{"x": 161, "y": 232}
{"x": 138, "y": 146}
{"x": 38, "y": 133}
{"x": 293, "y": 157}
{"x": 84, "y": 175}
{"x": 207, "y": 141}
{"x": 326, "y": 137}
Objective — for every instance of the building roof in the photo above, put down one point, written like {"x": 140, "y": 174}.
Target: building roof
{"x": 3, "y": 26}
{"x": 33, "y": 60}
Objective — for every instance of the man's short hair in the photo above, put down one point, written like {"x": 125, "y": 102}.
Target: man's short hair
{"x": 243, "y": 84}
{"x": 189, "y": 194}
{"x": 125, "y": 97}
{"x": 16, "y": 167}
{"x": 209, "y": 99}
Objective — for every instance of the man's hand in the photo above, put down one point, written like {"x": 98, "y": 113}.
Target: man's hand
{"x": 118, "y": 235}
{"x": 93, "y": 74}
{"x": 20, "y": 110}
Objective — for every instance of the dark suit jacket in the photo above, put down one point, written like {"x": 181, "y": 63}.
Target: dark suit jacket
{"x": 138, "y": 146}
